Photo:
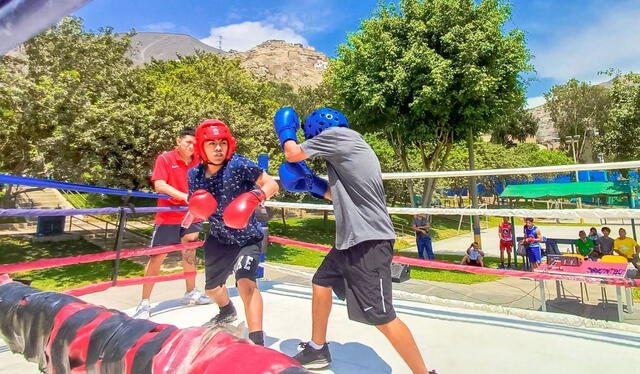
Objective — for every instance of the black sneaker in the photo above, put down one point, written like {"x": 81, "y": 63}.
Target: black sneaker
{"x": 314, "y": 359}
{"x": 433, "y": 371}
{"x": 222, "y": 319}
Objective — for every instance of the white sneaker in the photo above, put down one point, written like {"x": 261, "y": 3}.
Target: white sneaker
{"x": 143, "y": 311}
{"x": 195, "y": 297}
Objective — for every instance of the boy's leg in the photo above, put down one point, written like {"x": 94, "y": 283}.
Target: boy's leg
{"x": 321, "y": 303}
{"x": 402, "y": 340}
{"x": 152, "y": 269}
{"x": 246, "y": 272}
{"x": 252, "y": 300}
{"x": 218, "y": 261}
{"x": 189, "y": 259}
{"x": 162, "y": 235}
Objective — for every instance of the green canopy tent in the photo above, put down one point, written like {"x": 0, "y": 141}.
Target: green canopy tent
{"x": 566, "y": 190}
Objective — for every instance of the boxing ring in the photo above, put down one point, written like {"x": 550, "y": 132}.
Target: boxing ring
{"x": 445, "y": 334}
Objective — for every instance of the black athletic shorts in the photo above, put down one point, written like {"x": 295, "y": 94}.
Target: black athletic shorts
{"x": 362, "y": 276}
{"x": 220, "y": 260}
{"x": 171, "y": 234}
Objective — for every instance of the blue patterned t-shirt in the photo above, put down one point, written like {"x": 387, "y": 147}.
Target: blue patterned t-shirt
{"x": 236, "y": 176}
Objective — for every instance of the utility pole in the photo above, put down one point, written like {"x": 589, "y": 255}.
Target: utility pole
{"x": 473, "y": 191}
{"x": 219, "y": 37}
{"x": 575, "y": 139}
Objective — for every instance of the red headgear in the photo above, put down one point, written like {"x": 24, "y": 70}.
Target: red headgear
{"x": 213, "y": 129}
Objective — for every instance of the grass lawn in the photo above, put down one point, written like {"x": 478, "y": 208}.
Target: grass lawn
{"x": 13, "y": 250}
{"x": 315, "y": 230}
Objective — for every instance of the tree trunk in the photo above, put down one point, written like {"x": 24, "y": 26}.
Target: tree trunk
{"x": 473, "y": 190}
{"x": 402, "y": 153}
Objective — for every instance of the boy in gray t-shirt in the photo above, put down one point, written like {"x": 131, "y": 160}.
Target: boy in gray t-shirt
{"x": 358, "y": 268}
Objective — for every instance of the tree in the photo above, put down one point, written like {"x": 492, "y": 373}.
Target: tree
{"x": 618, "y": 140}
{"x": 578, "y": 108}
{"x": 62, "y": 76}
{"x": 514, "y": 128}
{"x": 426, "y": 73}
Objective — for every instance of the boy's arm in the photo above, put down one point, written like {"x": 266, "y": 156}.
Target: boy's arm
{"x": 293, "y": 152}
{"x": 161, "y": 186}
{"x": 267, "y": 184}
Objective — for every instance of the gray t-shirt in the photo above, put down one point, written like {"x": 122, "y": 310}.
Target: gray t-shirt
{"x": 355, "y": 181}
{"x": 421, "y": 221}
{"x": 605, "y": 244}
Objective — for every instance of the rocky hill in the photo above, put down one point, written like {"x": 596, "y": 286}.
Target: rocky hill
{"x": 280, "y": 61}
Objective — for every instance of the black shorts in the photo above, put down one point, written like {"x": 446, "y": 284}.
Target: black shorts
{"x": 362, "y": 276}
{"x": 171, "y": 234}
{"x": 220, "y": 260}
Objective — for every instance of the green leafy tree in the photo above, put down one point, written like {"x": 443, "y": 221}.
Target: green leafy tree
{"x": 618, "y": 138}
{"x": 514, "y": 128}
{"x": 578, "y": 108}
{"x": 49, "y": 95}
{"x": 426, "y": 73}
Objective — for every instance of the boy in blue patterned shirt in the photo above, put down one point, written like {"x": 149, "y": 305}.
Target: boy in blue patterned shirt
{"x": 238, "y": 186}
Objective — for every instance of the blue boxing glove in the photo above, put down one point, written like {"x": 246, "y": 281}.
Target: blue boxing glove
{"x": 286, "y": 123}
{"x": 297, "y": 177}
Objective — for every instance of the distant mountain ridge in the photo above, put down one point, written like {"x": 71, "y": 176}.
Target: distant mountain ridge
{"x": 165, "y": 46}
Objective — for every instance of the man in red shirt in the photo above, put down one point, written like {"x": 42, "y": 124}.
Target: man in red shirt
{"x": 170, "y": 177}
{"x": 505, "y": 233}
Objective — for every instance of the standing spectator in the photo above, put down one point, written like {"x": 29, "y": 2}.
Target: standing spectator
{"x": 421, "y": 226}
{"x": 474, "y": 256}
{"x": 627, "y": 247}
{"x": 505, "y": 233}
{"x": 593, "y": 234}
{"x": 170, "y": 177}
{"x": 604, "y": 244}
{"x": 531, "y": 241}
{"x": 584, "y": 244}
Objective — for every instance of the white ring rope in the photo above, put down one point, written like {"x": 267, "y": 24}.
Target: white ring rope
{"x": 515, "y": 171}
{"x": 546, "y": 213}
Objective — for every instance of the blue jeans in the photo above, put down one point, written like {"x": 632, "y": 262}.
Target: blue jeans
{"x": 424, "y": 246}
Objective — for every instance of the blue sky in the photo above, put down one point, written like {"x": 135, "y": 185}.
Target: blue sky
{"x": 569, "y": 38}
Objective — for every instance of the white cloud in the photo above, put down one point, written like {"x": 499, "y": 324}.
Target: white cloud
{"x": 246, "y": 35}
{"x": 609, "y": 42}
{"x": 159, "y": 27}
{"x": 535, "y": 101}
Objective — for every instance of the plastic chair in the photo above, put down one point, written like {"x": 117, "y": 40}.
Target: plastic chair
{"x": 614, "y": 259}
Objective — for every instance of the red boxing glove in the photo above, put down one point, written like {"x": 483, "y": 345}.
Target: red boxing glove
{"x": 236, "y": 215}
{"x": 531, "y": 240}
{"x": 202, "y": 204}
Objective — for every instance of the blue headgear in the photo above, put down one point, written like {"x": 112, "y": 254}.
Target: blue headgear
{"x": 322, "y": 119}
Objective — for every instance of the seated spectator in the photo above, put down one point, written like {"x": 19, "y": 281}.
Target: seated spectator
{"x": 593, "y": 234}
{"x": 604, "y": 245}
{"x": 585, "y": 245}
{"x": 474, "y": 256}
{"x": 627, "y": 247}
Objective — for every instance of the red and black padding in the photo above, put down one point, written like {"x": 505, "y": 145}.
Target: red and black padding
{"x": 65, "y": 335}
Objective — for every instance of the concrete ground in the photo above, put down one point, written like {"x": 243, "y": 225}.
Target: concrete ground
{"x": 454, "y": 337}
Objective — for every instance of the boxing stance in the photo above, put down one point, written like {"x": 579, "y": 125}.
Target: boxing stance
{"x": 226, "y": 188}
{"x": 358, "y": 267}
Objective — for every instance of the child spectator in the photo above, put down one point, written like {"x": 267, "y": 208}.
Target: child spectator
{"x": 474, "y": 256}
